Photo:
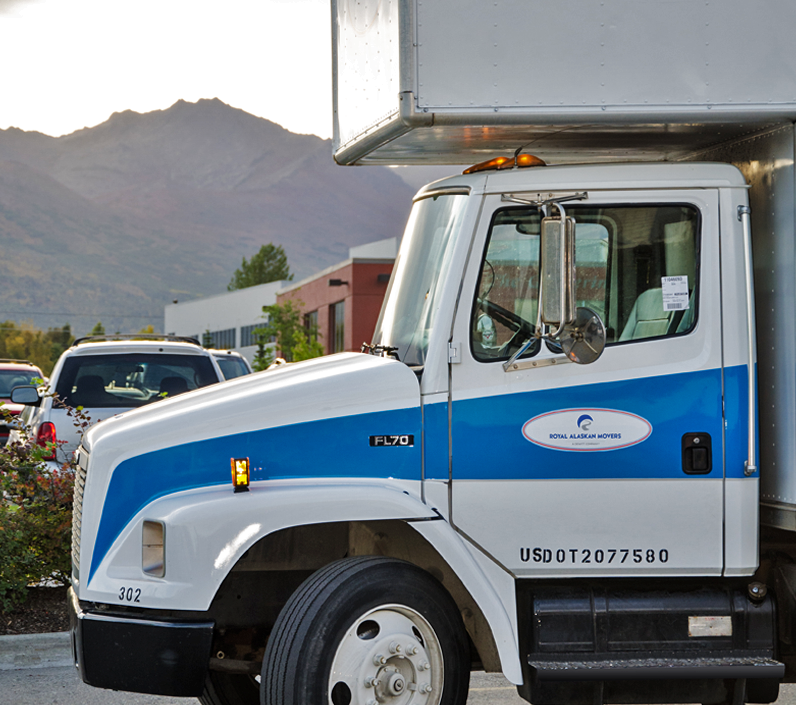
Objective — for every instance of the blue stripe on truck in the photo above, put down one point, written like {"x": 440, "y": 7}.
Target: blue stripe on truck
{"x": 336, "y": 447}
{"x": 487, "y": 439}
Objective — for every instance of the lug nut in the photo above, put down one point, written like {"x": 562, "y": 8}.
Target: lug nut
{"x": 424, "y": 665}
{"x": 395, "y": 648}
{"x": 379, "y": 659}
{"x": 426, "y": 688}
{"x": 412, "y": 650}
{"x": 371, "y": 682}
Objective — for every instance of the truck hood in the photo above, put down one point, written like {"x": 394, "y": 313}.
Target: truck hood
{"x": 307, "y": 423}
{"x": 343, "y": 386}
{"x": 326, "y": 418}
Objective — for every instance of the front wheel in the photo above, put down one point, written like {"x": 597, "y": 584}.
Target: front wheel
{"x": 367, "y": 630}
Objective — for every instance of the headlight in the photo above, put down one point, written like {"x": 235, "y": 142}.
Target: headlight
{"x": 153, "y": 560}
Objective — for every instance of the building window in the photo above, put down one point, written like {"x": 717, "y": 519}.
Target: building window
{"x": 311, "y": 324}
{"x": 219, "y": 339}
{"x": 248, "y": 336}
{"x": 338, "y": 326}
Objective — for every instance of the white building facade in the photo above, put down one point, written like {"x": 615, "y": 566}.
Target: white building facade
{"x": 225, "y": 321}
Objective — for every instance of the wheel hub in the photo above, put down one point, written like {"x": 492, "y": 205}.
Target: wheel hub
{"x": 396, "y": 684}
{"x": 390, "y": 656}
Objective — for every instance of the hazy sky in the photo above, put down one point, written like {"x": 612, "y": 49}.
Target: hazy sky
{"x": 68, "y": 64}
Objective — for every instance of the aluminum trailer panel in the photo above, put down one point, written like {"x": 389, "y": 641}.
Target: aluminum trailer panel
{"x": 455, "y": 81}
{"x": 766, "y": 161}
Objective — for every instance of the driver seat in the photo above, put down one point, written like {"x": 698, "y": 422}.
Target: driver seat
{"x": 647, "y": 317}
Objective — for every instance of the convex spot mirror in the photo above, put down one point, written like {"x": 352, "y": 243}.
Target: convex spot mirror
{"x": 27, "y": 395}
{"x": 583, "y": 340}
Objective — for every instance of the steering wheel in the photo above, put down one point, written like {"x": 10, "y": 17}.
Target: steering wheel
{"x": 523, "y": 330}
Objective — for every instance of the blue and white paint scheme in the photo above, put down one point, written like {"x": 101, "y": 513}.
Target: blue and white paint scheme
{"x": 598, "y": 511}
{"x": 548, "y": 470}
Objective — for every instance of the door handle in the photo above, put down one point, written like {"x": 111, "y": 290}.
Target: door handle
{"x": 697, "y": 454}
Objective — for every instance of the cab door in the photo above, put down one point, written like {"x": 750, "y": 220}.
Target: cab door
{"x": 611, "y": 468}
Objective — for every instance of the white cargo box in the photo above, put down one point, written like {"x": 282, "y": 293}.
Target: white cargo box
{"x": 458, "y": 81}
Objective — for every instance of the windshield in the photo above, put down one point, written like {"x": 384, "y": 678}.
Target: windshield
{"x": 16, "y": 378}
{"x": 130, "y": 379}
{"x": 232, "y": 367}
{"x": 412, "y": 301}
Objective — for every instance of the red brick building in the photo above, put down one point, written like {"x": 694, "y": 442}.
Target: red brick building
{"x": 344, "y": 300}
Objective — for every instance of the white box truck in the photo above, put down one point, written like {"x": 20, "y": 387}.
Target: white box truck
{"x": 569, "y": 452}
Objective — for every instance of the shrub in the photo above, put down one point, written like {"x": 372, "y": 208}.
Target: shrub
{"x": 17, "y": 562}
{"x": 35, "y": 520}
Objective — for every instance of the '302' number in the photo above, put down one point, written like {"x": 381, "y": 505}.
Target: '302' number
{"x": 129, "y": 594}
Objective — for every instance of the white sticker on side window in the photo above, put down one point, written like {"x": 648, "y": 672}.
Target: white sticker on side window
{"x": 675, "y": 293}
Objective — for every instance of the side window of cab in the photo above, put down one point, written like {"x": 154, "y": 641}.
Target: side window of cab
{"x": 637, "y": 268}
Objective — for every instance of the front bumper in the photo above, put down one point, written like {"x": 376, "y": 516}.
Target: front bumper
{"x": 137, "y": 654}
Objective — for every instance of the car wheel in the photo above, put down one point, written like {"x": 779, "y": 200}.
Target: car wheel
{"x": 367, "y": 630}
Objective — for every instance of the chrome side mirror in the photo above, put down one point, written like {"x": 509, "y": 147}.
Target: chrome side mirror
{"x": 580, "y": 332}
{"x": 557, "y": 273}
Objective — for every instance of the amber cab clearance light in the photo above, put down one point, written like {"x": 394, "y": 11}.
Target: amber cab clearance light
{"x": 521, "y": 161}
{"x": 240, "y": 474}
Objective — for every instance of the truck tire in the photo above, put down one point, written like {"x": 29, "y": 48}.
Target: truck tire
{"x": 367, "y": 629}
{"x": 230, "y": 689}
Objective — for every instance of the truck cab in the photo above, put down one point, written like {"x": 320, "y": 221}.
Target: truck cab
{"x": 657, "y": 422}
{"x": 572, "y": 503}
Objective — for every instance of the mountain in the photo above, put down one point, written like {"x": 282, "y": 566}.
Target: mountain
{"x": 112, "y": 222}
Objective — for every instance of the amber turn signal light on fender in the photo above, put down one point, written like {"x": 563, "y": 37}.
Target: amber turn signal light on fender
{"x": 240, "y": 474}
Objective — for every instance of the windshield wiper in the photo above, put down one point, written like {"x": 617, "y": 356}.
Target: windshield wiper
{"x": 381, "y": 350}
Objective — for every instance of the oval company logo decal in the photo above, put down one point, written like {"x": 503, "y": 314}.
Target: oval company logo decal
{"x": 587, "y": 429}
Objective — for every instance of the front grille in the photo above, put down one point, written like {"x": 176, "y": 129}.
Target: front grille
{"x": 77, "y": 509}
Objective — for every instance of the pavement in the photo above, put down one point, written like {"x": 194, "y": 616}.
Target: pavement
{"x": 38, "y": 668}
{"x": 29, "y": 654}
{"x": 35, "y": 651}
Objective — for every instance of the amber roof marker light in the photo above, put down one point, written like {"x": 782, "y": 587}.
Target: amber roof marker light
{"x": 518, "y": 161}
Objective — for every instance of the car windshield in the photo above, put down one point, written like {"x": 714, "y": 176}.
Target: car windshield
{"x": 16, "y": 378}
{"x": 130, "y": 379}
{"x": 232, "y": 367}
{"x": 412, "y": 301}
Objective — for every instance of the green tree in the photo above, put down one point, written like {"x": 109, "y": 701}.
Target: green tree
{"x": 98, "y": 329}
{"x": 307, "y": 347}
{"x": 294, "y": 339}
{"x": 268, "y": 265}
{"x": 265, "y": 354}
{"x": 24, "y": 342}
